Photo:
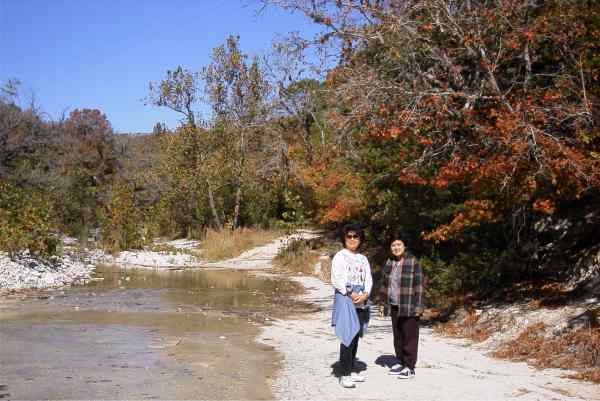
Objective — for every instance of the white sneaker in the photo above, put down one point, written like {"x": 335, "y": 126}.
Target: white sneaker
{"x": 357, "y": 378}
{"x": 346, "y": 382}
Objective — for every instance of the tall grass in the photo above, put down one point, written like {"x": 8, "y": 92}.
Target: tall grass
{"x": 301, "y": 256}
{"x": 225, "y": 244}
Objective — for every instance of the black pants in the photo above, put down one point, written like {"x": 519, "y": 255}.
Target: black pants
{"x": 348, "y": 354}
{"x": 406, "y": 337}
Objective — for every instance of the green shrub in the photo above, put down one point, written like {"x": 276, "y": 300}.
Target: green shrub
{"x": 295, "y": 213}
{"x": 26, "y": 222}
{"x": 121, "y": 222}
{"x": 480, "y": 273}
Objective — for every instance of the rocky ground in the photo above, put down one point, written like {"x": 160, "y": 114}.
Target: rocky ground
{"x": 25, "y": 271}
{"x": 76, "y": 264}
{"x": 507, "y": 322}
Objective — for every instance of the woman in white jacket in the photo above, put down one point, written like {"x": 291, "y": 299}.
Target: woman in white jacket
{"x": 351, "y": 277}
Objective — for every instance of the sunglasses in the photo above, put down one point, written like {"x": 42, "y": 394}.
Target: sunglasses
{"x": 352, "y": 236}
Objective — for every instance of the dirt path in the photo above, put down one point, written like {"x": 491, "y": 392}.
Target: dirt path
{"x": 447, "y": 369}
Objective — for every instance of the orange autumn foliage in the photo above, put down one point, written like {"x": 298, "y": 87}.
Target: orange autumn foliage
{"x": 475, "y": 213}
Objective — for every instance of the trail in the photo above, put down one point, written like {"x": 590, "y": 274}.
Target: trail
{"x": 259, "y": 258}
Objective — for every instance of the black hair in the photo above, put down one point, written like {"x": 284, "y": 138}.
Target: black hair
{"x": 352, "y": 227}
{"x": 396, "y": 236}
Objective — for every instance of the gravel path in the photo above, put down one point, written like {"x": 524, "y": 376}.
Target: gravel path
{"x": 448, "y": 369}
{"x": 259, "y": 258}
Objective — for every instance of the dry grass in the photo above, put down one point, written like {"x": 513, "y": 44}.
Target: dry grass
{"x": 161, "y": 248}
{"x": 325, "y": 272}
{"x": 578, "y": 349}
{"x": 225, "y": 244}
{"x": 591, "y": 375}
{"x": 539, "y": 295}
{"x": 167, "y": 249}
{"x": 526, "y": 345}
{"x": 299, "y": 256}
{"x": 468, "y": 328}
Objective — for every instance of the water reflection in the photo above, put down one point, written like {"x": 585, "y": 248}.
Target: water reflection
{"x": 136, "y": 334}
{"x": 218, "y": 289}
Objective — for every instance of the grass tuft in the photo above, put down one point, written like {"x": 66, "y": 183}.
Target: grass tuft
{"x": 299, "y": 256}
{"x": 306, "y": 256}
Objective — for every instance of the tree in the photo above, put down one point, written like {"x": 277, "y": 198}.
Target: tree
{"x": 238, "y": 95}
{"x": 27, "y": 142}
{"x": 88, "y": 164}
{"x": 178, "y": 92}
{"x": 492, "y": 96}
{"x": 465, "y": 123}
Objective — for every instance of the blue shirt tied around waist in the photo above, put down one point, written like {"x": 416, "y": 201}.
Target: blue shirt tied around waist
{"x": 344, "y": 317}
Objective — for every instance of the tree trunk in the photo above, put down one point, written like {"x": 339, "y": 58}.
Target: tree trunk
{"x": 236, "y": 210}
{"x": 213, "y": 207}
{"x": 240, "y": 169}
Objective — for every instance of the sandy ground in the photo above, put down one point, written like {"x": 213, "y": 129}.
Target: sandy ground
{"x": 448, "y": 369}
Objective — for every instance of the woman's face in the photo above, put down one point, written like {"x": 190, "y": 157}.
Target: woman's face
{"x": 352, "y": 241}
{"x": 397, "y": 248}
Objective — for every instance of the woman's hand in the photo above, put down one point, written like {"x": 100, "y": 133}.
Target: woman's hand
{"x": 359, "y": 298}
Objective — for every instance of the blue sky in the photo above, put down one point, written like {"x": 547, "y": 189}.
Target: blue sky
{"x": 103, "y": 53}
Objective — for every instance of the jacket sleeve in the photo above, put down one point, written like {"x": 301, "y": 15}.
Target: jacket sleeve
{"x": 368, "y": 277}
{"x": 383, "y": 285}
{"x": 339, "y": 275}
{"x": 418, "y": 287}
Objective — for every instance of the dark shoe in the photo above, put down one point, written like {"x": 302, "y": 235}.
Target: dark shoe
{"x": 396, "y": 369}
{"x": 406, "y": 373}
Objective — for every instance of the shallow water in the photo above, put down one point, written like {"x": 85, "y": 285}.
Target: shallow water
{"x": 143, "y": 334}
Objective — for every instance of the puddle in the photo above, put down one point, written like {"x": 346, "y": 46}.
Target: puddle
{"x": 144, "y": 334}
{"x": 219, "y": 289}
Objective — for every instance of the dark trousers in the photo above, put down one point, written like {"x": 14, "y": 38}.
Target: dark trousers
{"x": 348, "y": 354}
{"x": 406, "y": 337}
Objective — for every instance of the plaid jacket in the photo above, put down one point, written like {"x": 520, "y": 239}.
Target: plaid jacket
{"x": 402, "y": 285}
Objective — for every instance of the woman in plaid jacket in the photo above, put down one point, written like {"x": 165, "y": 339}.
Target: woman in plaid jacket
{"x": 401, "y": 292}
